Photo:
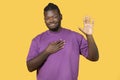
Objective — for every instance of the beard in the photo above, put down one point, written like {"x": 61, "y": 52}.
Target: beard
{"x": 55, "y": 28}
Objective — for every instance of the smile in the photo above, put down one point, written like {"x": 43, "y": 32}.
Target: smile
{"x": 52, "y": 24}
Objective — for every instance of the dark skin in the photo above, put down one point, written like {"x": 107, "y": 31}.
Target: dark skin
{"x": 53, "y": 22}
{"x": 93, "y": 54}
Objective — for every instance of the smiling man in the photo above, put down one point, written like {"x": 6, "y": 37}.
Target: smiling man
{"x": 55, "y": 52}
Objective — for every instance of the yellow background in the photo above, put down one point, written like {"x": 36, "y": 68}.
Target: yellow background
{"x": 21, "y": 20}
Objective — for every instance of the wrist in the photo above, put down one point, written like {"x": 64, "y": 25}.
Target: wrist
{"x": 46, "y": 52}
{"x": 88, "y": 35}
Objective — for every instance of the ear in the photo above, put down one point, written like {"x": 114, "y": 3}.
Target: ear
{"x": 61, "y": 16}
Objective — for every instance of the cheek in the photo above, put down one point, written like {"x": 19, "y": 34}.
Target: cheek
{"x": 57, "y": 20}
{"x": 46, "y": 21}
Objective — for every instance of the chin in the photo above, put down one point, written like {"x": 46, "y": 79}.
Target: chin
{"x": 54, "y": 29}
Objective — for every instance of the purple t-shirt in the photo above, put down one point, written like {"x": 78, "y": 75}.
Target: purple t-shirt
{"x": 64, "y": 64}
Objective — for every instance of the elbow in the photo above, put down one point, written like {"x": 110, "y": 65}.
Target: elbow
{"x": 29, "y": 67}
{"x": 30, "y": 70}
{"x": 93, "y": 58}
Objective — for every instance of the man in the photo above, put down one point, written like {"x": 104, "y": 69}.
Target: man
{"x": 55, "y": 52}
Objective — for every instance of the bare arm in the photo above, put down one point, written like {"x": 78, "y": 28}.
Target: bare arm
{"x": 93, "y": 53}
{"x": 38, "y": 61}
{"x": 92, "y": 49}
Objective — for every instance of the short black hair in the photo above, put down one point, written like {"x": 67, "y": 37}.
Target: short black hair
{"x": 51, "y": 6}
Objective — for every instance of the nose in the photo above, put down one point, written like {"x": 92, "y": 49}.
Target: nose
{"x": 51, "y": 20}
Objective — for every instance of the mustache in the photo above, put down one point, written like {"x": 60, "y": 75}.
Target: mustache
{"x": 52, "y": 23}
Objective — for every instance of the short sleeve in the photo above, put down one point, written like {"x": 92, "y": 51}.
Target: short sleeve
{"x": 83, "y": 47}
{"x": 33, "y": 50}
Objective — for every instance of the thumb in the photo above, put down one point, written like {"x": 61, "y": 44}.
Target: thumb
{"x": 81, "y": 29}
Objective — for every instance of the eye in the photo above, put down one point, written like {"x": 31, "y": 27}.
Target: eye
{"x": 56, "y": 16}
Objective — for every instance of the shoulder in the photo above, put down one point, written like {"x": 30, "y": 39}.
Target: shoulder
{"x": 39, "y": 36}
{"x": 73, "y": 33}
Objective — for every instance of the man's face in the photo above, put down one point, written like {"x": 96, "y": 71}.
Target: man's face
{"x": 52, "y": 19}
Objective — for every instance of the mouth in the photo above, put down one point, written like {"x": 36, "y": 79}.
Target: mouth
{"x": 52, "y": 25}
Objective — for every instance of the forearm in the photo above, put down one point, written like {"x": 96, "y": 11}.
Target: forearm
{"x": 38, "y": 61}
{"x": 93, "y": 54}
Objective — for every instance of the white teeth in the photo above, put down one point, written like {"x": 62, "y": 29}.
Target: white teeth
{"x": 52, "y": 24}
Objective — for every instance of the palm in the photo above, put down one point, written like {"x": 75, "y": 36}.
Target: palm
{"x": 88, "y": 26}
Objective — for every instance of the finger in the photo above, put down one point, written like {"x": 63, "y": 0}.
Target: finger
{"x": 57, "y": 48}
{"x": 86, "y": 20}
{"x": 60, "y": 47}
{"x": 81, "y": 29}
{"x": 56, "y": 42}
{"x": 61, "y": 43}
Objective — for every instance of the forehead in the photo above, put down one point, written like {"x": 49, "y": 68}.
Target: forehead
{"x": 51, "y": 13}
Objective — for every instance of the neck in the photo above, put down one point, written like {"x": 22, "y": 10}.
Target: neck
{"x": 57, "y": 30}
